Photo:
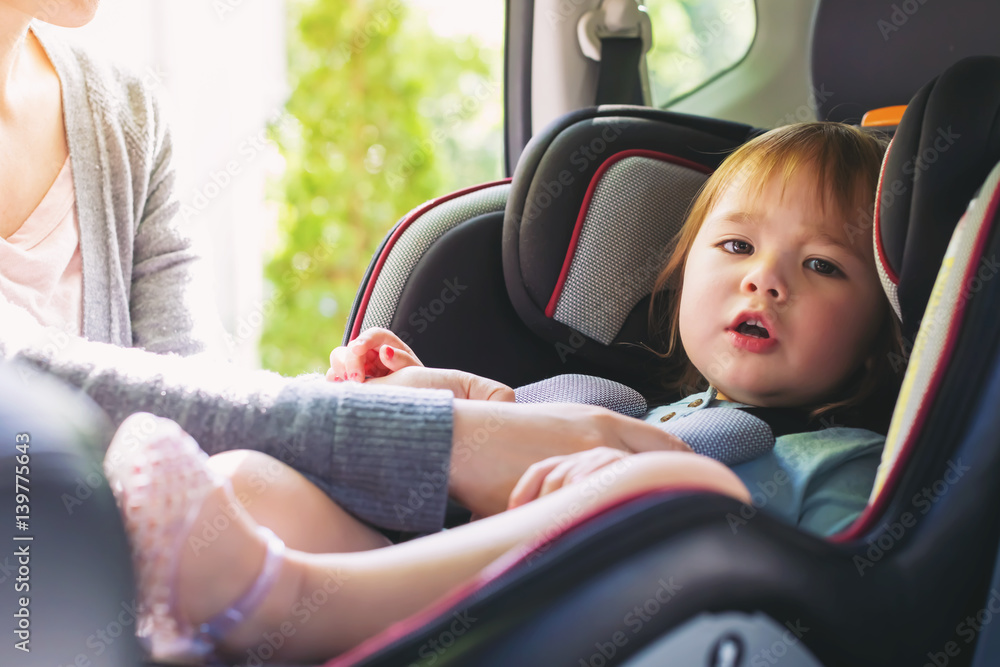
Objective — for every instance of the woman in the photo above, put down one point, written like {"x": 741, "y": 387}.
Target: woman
{"x": 94, "y": 260}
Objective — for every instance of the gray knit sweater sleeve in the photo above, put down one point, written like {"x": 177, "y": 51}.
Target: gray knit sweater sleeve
{"x": 144, "y": 278}
{"x": 381, "y": 453}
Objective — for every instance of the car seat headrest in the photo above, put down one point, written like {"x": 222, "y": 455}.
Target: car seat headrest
{"x": 896, "y": 46}
{"x": 595, "y": 201}
{"x": 944, "y": 147}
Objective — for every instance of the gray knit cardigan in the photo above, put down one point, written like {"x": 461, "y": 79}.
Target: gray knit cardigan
{"x": 383, "y": 454}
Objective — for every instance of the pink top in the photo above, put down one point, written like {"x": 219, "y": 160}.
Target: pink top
{"x": 40, "y": 266}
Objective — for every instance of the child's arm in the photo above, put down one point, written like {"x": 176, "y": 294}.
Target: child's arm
{"x": 555, "y": 472}
{"x": 549, "y": 474}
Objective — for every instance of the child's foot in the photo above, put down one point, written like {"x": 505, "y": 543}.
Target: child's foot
{"x": 206, "y": 573}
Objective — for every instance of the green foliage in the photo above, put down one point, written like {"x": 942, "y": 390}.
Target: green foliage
{"x": 375, "y": 126}
{"x": 693, "y": 40}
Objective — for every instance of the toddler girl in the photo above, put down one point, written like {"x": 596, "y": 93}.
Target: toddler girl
{"x": 780, "y": 307}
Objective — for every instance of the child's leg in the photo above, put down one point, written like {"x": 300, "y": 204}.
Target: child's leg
{"x": 327, "y": 603}
{"x": 280, "y": 498}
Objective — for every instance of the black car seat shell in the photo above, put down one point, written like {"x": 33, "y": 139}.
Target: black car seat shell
{"x": 893, "y": 589}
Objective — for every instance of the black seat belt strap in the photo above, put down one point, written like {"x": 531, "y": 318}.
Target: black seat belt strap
{"x": 618, "y": 79}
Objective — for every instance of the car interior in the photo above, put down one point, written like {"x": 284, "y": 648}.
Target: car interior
{"x": 556, "y": 265}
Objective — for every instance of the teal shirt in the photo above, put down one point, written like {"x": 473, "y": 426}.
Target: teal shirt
{"x": 819, "y": 480}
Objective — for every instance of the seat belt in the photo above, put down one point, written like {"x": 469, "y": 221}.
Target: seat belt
{"x": 618, "y": 80}
{"x": 617, "y": 35}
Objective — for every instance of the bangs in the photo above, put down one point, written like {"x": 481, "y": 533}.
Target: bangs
{"x": 846, "y": 162}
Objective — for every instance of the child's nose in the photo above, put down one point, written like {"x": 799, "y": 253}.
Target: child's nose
{"x": 766, "y": 279}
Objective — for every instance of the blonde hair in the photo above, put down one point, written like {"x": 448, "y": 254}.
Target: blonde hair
{"x": 846, "y": 161}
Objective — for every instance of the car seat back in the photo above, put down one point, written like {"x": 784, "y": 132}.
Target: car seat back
{"x": 559, "y": 281}
{"x": 896, "y": 588}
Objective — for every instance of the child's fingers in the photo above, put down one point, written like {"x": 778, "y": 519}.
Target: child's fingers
{"x": 528, "y": 487}
{"x": 336, "y": 372}
{"x": 394, "y": 358}
{"x": 346, "y": 366}
{"x": 376, "y": 337}
{"x": 556, "y": 479}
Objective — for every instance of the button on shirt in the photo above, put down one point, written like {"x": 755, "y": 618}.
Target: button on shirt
{"x": 817, "y": 480}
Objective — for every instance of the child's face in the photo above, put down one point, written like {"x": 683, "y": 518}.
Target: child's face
{"x": 778, "y": 256}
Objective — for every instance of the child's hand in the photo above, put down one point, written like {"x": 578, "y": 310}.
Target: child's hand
{"x": 374, "y": 353}
{"x": 556, "y": 472}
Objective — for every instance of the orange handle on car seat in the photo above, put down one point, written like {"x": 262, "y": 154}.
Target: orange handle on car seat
{"x": 884, "y": 116}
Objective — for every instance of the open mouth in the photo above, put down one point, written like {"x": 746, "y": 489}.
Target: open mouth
{"x": 753, "y": 328}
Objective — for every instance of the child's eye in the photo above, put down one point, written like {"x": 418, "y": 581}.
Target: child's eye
{"x": 823, "y": 267}
{"x": 737, "y": 247}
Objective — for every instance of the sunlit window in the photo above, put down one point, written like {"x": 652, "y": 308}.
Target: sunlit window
{"x": 392, "y": 104}
{"x": 695, "y": 41}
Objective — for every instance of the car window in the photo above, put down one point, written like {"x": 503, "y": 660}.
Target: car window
{"x": 695, "y": 41}
{"x": 392, "y": 103}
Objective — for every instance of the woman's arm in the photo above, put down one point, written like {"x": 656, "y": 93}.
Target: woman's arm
{"x": 370, "y": 448}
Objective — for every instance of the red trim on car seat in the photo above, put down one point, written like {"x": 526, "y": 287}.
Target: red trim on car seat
{"x": 491, "y": 572}
{"x": 359, "y": 317}
{"x": 879, "y": 248}
{"x": 875, "y": 511}
{"x": 550, "y": 309}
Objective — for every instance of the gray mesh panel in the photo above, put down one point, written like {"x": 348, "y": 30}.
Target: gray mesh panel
{"x": 586, "y": 389}
{"x": 724, "y": 434}
{"x": 638, "y": 206}
{"x": 415, "y": 241}
{"x": 948, "y": 294}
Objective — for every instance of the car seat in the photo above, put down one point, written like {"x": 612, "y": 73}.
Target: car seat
{"x": 484, "y": 263}
{"x": 665, "y": 578}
